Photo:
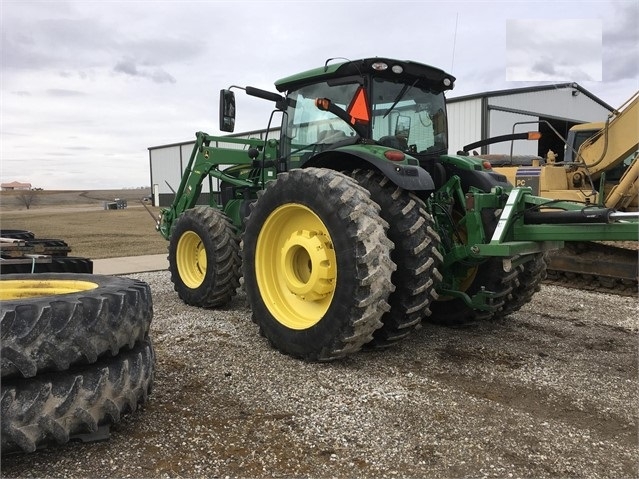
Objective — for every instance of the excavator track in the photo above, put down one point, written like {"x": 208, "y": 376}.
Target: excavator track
{"x": 611, "y": 268}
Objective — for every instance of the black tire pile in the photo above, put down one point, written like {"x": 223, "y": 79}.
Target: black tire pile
{"x": 72, "y": 362}
{"x": 57, "y": 249}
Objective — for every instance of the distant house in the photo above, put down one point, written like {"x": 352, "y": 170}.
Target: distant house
{"x": 15, "y": 185}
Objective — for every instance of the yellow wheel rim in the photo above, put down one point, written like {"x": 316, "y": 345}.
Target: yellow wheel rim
{"x": 295, "y": 266}
{"x": 190, "y": 256}
{"x": 32, "y": 288}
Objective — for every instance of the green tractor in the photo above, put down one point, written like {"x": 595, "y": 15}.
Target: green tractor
{"x": 355, "y": 224}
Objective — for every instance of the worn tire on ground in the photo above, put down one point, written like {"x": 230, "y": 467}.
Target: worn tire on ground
{"x": 204, "y": 257}
{"x": 416, "y": 255}
{"x": 17, "y": 234}
{"x": 317, "y": 266}
{"x": 61, "y": 264}
{"x": 53, "y": 407}
{"x": 54, "y": 321}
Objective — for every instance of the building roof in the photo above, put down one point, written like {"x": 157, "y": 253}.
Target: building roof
{"x": 531, "y": 89}
{"x": 15, "y": 184}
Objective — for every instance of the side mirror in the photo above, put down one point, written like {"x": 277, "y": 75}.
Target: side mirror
{"x": 227, "y": 110}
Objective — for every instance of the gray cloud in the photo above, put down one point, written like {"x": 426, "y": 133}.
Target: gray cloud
{"x": 552, "y": 50}
{"x": 544, "y": 66}
{"x": 158, "y": 75}
{"x": 59, "y": 92}
{"x": 621, "y": 43}
{"x": 87, "y": 44}
{"x": 126, "y": 66}
{"x": 553, "y": 70}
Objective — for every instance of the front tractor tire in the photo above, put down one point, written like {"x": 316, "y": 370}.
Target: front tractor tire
{"x": 316, "y": 264}
{"x": 204, "y": 257}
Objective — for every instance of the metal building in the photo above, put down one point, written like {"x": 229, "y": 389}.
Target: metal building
{"x": 485, "y": 115}
{"x": 470, "y": 118}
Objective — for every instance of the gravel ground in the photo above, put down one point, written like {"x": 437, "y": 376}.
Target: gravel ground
{"x": 549, "y": 392}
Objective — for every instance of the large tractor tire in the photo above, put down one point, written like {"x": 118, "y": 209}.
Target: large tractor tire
{"x": 58, "y": 264}
{"x": 489, "y": 276}
{"x": 530, "y": 275}
{"x": 54, "y": 321}
{"x": 204, "y": 257}
{"x": 54, "y": 407}
{"x": 317, "y": 265}
{"x": 17, "y": 234}
{"x": 416, "y": 255}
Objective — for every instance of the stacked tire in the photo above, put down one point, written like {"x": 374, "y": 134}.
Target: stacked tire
{"x": 76, "y": 355}
{"x": 57, "y": 249}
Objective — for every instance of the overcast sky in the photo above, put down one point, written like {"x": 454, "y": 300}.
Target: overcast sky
{"x": 88, "y": 86}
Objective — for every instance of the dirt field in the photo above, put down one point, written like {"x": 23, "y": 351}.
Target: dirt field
{"x": 79, "y": 218}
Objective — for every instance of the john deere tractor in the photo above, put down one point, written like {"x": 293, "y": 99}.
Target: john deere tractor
{"x": 355, "y": 224}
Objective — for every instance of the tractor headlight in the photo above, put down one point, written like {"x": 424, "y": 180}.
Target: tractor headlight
{"x": 379, "y": 66}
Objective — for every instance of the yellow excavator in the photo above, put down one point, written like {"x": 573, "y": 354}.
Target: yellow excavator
{"x": 600, "y": 163}
{"x": 600, "y": 168}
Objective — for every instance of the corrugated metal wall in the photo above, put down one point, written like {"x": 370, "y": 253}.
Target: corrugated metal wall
{"x": 464, "y": 123}
{"x": 558, "y": 103}
{"x": 501, "y": 123}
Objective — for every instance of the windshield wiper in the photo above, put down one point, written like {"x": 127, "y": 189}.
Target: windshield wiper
{"x": 400, "y": 95}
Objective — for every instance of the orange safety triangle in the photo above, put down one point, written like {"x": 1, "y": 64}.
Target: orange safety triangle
{"x": 358, "y": 109}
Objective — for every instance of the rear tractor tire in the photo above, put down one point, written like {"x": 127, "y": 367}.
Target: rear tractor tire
{"x": 317, "y": 265}
{"x": 489, "y": 275}
{"x": 204, "y": 257}
{"x": 416, "y": 255}
{"x": 529, "y": 278}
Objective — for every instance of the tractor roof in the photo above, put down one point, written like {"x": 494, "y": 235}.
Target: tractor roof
{"x": 409, "y": 71}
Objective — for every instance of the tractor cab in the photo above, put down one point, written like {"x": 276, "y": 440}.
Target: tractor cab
{"x": 399, "y": 105}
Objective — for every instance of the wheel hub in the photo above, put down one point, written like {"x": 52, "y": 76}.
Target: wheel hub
{"x": 296, "y": 266}
{"x": 191, "y": 259}
{"x": 308, "y": 271}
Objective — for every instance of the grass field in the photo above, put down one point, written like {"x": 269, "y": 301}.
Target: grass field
{"x": 79, "y": 218}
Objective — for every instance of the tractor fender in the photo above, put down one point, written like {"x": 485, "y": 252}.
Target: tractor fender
{"x": 484, "y": 180}
{"x": 410, "y": 177}
{"x": 471, "y": 172}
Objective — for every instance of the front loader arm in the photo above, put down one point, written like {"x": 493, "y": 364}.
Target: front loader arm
{"x": 205, "y": 161}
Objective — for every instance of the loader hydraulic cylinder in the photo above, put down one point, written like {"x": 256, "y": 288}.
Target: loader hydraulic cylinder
{"x": 586, "y": 215}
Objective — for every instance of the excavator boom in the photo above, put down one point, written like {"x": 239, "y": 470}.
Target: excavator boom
{"x": 615, "y": 142}
{"x": 602, "y": 169}
{"x": 624, "y": 193}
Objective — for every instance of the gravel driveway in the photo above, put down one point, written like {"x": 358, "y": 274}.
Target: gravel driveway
{"x": 550, "y": 392}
